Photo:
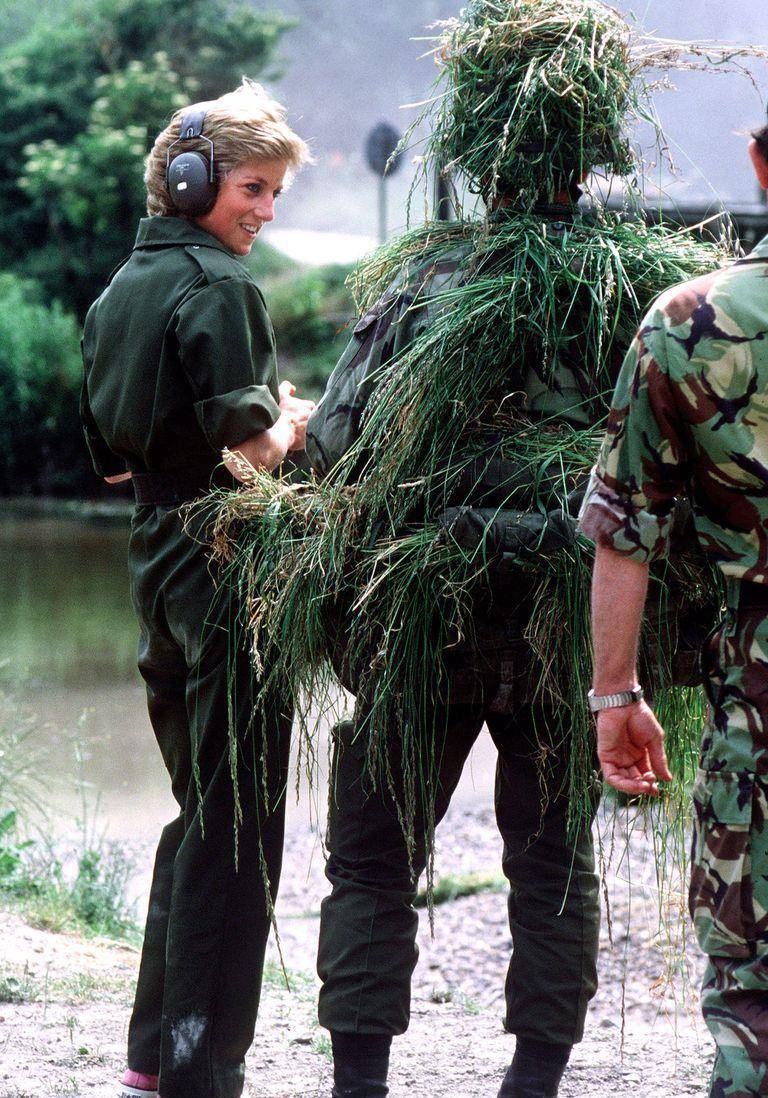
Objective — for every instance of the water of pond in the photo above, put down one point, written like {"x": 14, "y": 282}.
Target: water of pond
{"x": 68, "y": 639}
{"x": 68, "y": 643}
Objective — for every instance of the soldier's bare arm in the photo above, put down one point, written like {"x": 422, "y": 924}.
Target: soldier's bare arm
{"x": 630, "y": 741}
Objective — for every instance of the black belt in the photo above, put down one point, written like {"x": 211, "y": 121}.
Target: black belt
{"x": 750, "y": 596}
{"x": 177, "y": 487}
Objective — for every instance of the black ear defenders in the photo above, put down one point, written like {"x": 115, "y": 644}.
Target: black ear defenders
{"x": 190, "y": 175}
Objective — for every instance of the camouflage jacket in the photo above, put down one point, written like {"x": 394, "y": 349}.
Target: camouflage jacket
{"x": 384, "y": 332}
{"x": 690, "y": 418}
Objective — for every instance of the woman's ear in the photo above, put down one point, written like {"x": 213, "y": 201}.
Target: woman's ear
{"x": 759, "y": 163}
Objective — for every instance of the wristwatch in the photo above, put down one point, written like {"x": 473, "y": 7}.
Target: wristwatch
{"x": 597, "y": 702}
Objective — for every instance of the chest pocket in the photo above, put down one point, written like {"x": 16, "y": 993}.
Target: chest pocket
{"x": 375, "y": 332}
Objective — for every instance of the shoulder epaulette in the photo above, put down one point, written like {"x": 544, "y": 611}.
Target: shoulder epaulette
{"x": 215, "y": 264}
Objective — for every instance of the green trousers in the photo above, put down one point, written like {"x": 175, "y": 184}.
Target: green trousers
{"x": 208, "y": 919}
{"x": 367, "y": 950}
{"x": 729, "y": 879}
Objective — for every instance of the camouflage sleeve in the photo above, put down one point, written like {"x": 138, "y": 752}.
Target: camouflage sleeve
{"x": 335, "y": 424}
{"x": 644, "y": 463}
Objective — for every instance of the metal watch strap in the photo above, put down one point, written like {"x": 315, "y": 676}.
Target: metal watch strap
{"x": 597, "y": 702}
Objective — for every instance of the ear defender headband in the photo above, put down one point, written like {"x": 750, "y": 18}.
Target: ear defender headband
{"x": 190, "y": 175}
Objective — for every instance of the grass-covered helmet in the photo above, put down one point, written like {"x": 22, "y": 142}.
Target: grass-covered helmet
{"x": 537, "y": 93}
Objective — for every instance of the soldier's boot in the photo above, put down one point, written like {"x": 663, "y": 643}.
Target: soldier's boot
{"x": 360, "y": 1065}
{"x": 536, "y": 1070}
{"x": 511, "y": 1089}
{"x": 357, "y": 1084}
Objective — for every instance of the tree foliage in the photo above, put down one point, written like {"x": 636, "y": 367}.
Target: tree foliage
{"x": 81, "y": 98}
{"x": 40, "y": 372}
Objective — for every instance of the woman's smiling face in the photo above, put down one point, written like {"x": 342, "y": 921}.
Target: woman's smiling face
{"x": 245, "y": 202}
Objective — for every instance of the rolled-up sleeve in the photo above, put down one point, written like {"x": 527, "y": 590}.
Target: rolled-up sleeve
{"x": 105, "y": 462}
{"x": 644, "y": 463}
{"x": 227, "y": 352}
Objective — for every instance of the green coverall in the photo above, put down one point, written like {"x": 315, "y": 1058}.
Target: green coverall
{"x": 179, "y": 363}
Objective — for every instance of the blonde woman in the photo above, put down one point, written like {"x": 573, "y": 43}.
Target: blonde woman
{"x": 180, "y": 377}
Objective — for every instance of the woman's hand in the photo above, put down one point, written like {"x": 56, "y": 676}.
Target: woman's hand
{"x": 268, "y": 448}
{"x": 263, "y": 451}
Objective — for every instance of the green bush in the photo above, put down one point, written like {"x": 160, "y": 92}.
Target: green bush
{"x": 40, "y": 371}
{"x": 82, "y": 93}
{"x": 268, "y": 265}
{"x": 98, "y": 894}
{"x": 12, "y": 850}
{"x": 80, "y": 885}
{"x": 50, "y": 895}
{"x": 310, "y": 310}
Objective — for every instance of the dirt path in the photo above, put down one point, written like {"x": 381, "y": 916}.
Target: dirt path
{"x": 65, "y": 1034}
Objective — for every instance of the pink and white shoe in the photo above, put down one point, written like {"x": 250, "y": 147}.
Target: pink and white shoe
{"x": 135, "y": 1085}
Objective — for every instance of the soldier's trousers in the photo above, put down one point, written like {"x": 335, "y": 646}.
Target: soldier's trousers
{"x": 208, "y": 920}
{"x": 729, "y": 881}
{"x": 367, "y": 949}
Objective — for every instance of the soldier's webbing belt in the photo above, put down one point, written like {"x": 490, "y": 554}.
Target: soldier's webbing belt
{"x": 179, "y": 486}
{"x": 516, "y": 534}
{"x": 748, "y": 595}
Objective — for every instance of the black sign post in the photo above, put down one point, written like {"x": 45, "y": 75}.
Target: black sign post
{"x": 380, "y": 154}
{"x": 443, "y": 200}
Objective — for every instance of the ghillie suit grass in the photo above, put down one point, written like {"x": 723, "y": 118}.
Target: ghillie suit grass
{"x": 378, "y": 543}
{"x": 501, "y": 342}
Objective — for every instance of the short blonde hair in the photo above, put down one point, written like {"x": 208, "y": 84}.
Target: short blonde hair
{"x": 244, "y": 125}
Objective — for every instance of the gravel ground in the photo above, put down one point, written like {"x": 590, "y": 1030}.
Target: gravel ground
{"x": 66, "y": 1035}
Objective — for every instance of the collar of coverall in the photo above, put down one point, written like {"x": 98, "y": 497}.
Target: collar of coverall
{"x": 162, "y": 232}
{"x": 760, "y": 250}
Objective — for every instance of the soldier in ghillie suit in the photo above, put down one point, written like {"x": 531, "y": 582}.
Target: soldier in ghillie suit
{"x": 433, "y": 561}
{"x": 689, "y": 419}
{"x": 367, "y": 949}
{"x": 554, "y": 385}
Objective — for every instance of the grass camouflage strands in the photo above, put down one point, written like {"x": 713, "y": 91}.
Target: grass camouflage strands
{"x": 527, "y": 291}
{"x": 539, "y": 90}
{"x": 532, "y": 94}
{"x": 371, "y": 570}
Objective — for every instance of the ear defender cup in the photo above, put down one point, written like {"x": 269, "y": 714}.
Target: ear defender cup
{"x": 190, "y": 176}
{"x": 189, "y": 184}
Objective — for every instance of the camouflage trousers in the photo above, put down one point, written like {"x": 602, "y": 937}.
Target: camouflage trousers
{"x": 729, "y": 880}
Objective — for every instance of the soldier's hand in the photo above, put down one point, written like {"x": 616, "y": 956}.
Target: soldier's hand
{"x": 298, "y": 409}
{"x": 299, "y": 435}
{"x": 630, "y": 746}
